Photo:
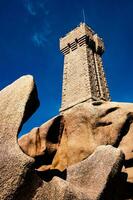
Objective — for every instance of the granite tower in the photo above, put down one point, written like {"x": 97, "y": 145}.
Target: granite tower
{"x": 83, "y": 77}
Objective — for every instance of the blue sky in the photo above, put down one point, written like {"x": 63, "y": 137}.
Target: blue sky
{"x": 29, "y": 44}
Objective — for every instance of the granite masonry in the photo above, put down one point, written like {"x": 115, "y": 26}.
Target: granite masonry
{"x": 84, "y": 77}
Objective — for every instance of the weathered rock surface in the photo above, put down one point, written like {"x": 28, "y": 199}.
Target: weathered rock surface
{"x": 92, "y": 175}
{"x": 55, "y": 147}
{"x": 91, "y": 179}
{"x": 79, "y": 131}
{"x": 43, "y": 141}
{"x": 18, "y": 102}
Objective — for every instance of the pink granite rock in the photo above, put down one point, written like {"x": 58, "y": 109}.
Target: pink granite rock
{"x": 79, "y": 131}
{"x": 91, "y": 179}
{"x": 18, "y": 102}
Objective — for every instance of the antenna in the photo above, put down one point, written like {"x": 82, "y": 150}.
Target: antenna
{"x": 83, "y": 12}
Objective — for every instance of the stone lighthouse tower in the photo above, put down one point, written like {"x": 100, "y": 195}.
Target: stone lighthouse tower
{"x": 83, "y": 77}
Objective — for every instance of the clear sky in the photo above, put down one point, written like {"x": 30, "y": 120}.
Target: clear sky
{"x": 29, "y": 44}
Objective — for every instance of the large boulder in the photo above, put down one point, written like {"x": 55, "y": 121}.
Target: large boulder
{"x": 79, "y": 131}
{"x": 64, "y": 147}
{"x": 94, "y": 178}
{"x": 18, "y": 102}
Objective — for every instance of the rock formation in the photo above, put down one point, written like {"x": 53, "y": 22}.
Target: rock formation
{"x": 91, "y": 179}
{"x": 18, "y": 102}
{"x": 72, "y": 137}
{"x": 64, "y": 158}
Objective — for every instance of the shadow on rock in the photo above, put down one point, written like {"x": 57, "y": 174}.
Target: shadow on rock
{"x": 128, "y": 191}
{"x": 49, "y": 174}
